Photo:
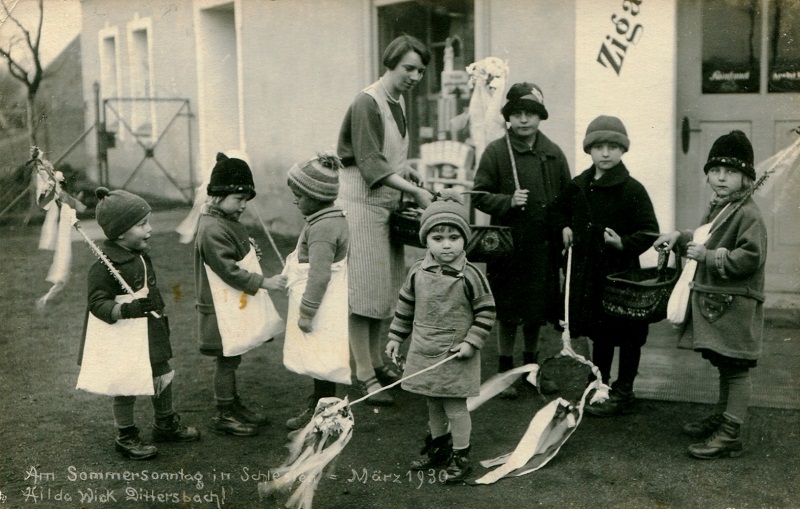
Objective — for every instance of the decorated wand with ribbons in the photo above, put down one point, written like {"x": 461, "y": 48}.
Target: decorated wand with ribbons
{"x": 103, "y": 258}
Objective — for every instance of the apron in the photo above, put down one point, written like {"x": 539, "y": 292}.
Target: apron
{"x": 244, "y": 321}
{"x": 376, "y": 266}
{"x": 323, "y": 353}
{"x": 116, "y": 357}
{"x": 442, "y": 317}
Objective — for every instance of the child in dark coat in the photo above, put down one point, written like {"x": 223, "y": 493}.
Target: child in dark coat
{"x": 609, "y": 222}
{"x": 125, "y": 220}
{"x": 222, "y": 242}
{"x": 446, "y": 306}
{"x": 726, "y": 318}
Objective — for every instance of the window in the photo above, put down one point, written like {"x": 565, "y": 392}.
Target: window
{"x": 784, "y": 50}
{"x": 432, "y": 22}
{"x": 141, "y": 78}
{"x": 731, "y": 46}
{"x": 110, "y": 80}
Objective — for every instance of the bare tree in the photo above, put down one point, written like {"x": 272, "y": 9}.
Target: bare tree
{"x": 23, "y": 59}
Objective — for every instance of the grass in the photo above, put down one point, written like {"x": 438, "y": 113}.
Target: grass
{"x": 58, "y": 442}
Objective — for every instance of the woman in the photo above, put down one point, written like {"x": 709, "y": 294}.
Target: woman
{"x": 373, "y": 147}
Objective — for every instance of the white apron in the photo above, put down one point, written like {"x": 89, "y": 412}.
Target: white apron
{"x": 116, "y": 357}
{"x": 323, "y": 353}
{"x": 244, "y": 321}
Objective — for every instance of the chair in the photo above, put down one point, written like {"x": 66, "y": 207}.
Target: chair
{"x": 444, "y": 164}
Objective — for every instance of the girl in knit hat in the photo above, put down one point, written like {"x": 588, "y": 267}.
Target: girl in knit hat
{"x": 317, "y": 341}
{"x": 726, "y": 316}
{"x": 445, "y": 306}
{"x": 224, "y": 256}
{"x": 609, "y": 221}
{"x": 112, "y": 313}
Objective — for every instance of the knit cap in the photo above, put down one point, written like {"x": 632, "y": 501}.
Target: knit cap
{"x": 318, "y": 177}
{"x": 606, "y": 129}
{"x": 733, "y": 150}
{"x": 524, "y": 97}
{"x": 230, "y": 176}
{"x": 447, "y": 208}
{"x": 118, "y": 211}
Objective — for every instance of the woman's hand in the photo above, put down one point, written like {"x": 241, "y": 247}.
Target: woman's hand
{"x": 566, "y": 237}
{"x": 392, "y": 349}
{"x": 667, "y": 238}
{"x": 464, "y": 349}
{"x": 423, "y": 197}
{"x": 695, "y": 251}
{"x": 411, "y": 174}
{"x": 612, "y": 239}
{"x": 519, "y": 198}
{"x": 276, "y": 283}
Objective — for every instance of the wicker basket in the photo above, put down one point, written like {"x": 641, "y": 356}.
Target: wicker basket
{"x": 641, "y": 294}
{"x": 404, "y": 226}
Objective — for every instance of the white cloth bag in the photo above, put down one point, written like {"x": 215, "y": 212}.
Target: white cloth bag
{"x": 116, "y": 357}
{"x": 323, "y": 353}
{"x": 678, "y": 303}
{"x": 244, "y": 321}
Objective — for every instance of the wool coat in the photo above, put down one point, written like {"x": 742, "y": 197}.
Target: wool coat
{"x": 103, "y": 288}
{"x": 727, "y": 300}
{"x": 221, "y": 242}
{"x": 526, "y": 284}
{"x": 617, "y": 201}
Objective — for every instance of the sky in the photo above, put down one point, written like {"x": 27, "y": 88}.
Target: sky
{"x": 62, "y": 22}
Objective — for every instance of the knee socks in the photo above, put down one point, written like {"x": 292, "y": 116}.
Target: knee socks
{"x": 460, "y": 421}
{"x": 602, "y": 357}
{"x": 225, "y": 380}
{"x": 737, "y": 387}
{"x": 360, "y": 345}
{"x": 322, "y": 389}
{"x": 629, "y": 358}
{"x": 162, "y": 403}
{"x": 123, "y": 411}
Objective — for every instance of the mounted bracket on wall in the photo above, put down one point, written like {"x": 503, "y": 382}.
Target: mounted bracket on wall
{"x": 686, "y": 133}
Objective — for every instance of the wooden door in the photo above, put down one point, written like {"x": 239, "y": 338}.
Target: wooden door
{"x": 769, "y": 118}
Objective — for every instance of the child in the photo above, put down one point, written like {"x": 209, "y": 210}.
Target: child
{"x": 323, "y": 248}
{"x": 726, "y": 318}
{"x": 609, "y": 221}
{"x": 221, "y": 242}
{"x": 125, "y": 220}
{"x": 446, "y": 306}
{"x": 520, "y": 193}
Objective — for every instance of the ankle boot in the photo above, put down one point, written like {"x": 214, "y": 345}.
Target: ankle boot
{"x": 506, "y": 363}
{"x": 170, "y": 429}
{"x": 436, "y": 452}
{"x": 620, "y": 401}
{"x": 131, "y": 446}
{"x": 724, "y": 442}
{"x": 246, "y": 415}
{"x": 226, "y": 422}
{"x": 459, "y": 467}
{"x": 704, "y": 428}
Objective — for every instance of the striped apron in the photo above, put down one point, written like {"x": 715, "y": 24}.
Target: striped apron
{"x": 375, "y": 265}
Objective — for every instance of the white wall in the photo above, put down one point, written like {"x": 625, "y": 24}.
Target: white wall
{"x": 641, "y": 93}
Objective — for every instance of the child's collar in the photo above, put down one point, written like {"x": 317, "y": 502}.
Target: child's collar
{"x": 429, "y": 262}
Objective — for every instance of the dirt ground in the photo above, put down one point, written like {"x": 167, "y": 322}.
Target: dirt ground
{"x": 57, "y": 443}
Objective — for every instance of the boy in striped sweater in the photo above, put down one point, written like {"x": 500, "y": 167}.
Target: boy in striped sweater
{"x": 445, "y": 306}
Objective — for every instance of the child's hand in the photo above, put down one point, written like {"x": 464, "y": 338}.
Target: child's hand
{"x": 695, "y": 251}
{"x": 277, "y": 282}
{"x": 392, "y": 349}
{"x": 139, "y": 308}
{"x": 464, "y": 349}
{"x": 305, "y": 324}
{"x": 566, "y": 236}
{"x": 520, "y": 198}
{"x": 612, "y": 239}
{"x": 667, "y": 238}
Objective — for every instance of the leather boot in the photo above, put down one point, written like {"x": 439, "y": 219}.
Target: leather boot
{"x": 170, "y": 429}
{"x": 459, "y": 467}
{"x": 620, "y": 401}
{"x": 436, "y": 452}
{"x": 226, "y": 422}
{"x": 131, "y": 446}
{"x": 371, "y": 387}
{"x": 724, "y": 442}
{"x": 301, "y": 420}
{"x": 704, "y": 428}
{"x": 246, "y": 415}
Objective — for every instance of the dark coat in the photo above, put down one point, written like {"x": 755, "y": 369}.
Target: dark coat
{"x": 525, "y": 285}
{"x": 616, "y": 201}
{"x": 103, "y": 287}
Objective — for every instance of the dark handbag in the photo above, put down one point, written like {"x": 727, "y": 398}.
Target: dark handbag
{"x": 489, "y": 244}
{"x": 641, "y": 295}
{"x": 404, "y": 223}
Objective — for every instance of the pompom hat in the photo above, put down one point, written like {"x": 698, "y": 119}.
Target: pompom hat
{"x": 606, "y": 129}
{"x": 732, "y": 150}
{"x": 118, "y": 211}
{"x": 524, "y": 97}
{"x": 230, "y": 176}
{"x": 447, "y": 208}
{"x": 318, "y": 177}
